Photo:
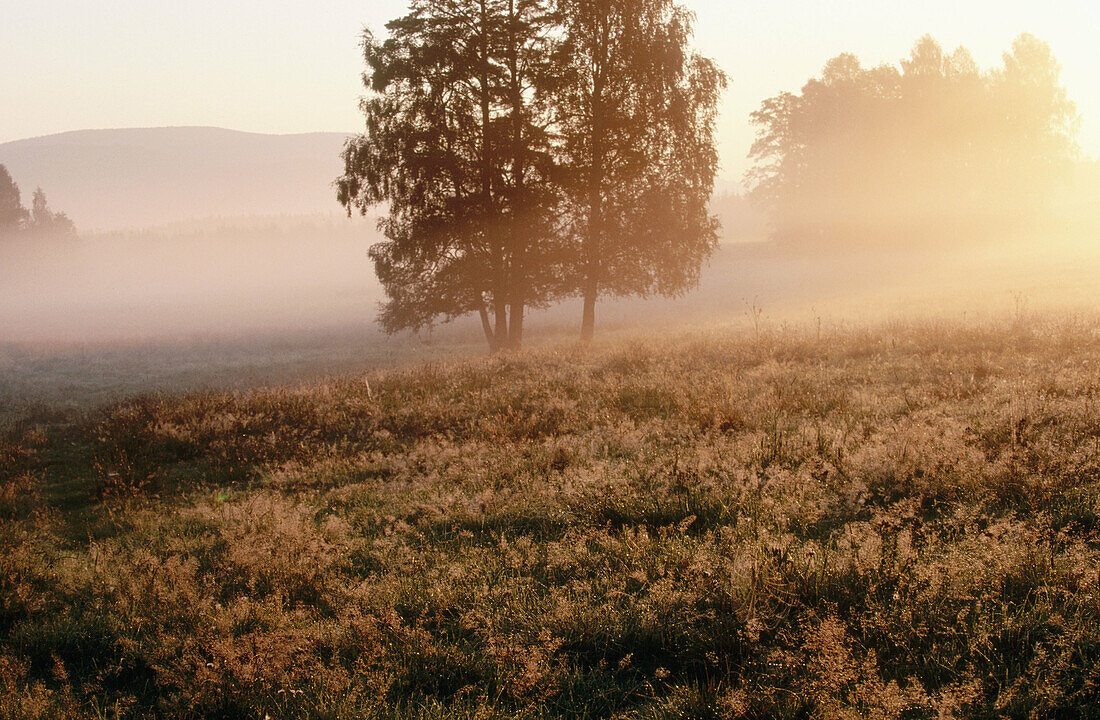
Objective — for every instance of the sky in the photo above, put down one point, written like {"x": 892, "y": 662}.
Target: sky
{"x": 289, "y": 67}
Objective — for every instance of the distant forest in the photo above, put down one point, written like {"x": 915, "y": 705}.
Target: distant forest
{"x": 936, "y": 149}
{"x": 37, "y": 222}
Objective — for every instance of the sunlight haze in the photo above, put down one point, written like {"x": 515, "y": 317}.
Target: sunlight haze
{"x": 294, "y": 67}
{"x": 596, "y": 360}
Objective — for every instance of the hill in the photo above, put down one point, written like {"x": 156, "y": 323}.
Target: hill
{"x": 132, "y": 178}
{"x": 894, "y": 523}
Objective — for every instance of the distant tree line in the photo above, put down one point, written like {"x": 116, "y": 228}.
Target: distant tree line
{"x": 934, "y": 149}
{"x": 532, "y": 150}
{"x": 37, "y": 222}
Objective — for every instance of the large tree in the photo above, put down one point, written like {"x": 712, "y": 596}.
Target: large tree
{"x": 1035, "y": 126}
{"x": 527, "y": 150}
{"x": 456, "y": 146}
{"x": 637, "y": 110}
{"x": 38, "y": 222}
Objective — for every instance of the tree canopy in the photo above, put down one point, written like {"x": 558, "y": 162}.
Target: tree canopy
{"x": 933, "y": 148}
{"x": 638, "y": 113}
{"x": 529, "y": 150}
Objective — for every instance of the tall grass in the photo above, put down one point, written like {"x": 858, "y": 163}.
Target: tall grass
{"x": 889, "y": 523}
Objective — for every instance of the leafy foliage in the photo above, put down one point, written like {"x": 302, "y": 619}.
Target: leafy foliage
{"x": 528, "y": 150}
{"x": 45, "y": 223}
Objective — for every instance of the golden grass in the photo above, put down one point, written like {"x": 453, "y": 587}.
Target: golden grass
{"x": 890, "y": 523}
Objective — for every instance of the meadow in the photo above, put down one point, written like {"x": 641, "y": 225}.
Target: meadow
{"x": 897, "y": 520}
{"x": 91, "y": 325}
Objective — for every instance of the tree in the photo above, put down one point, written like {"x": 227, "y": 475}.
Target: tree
{"x": 515, "y": 175}
{"x": 933, "y": 149}
{"x": 1035, "y": 127}
{"x": 46, "y": 224}
{"x": 454, "y": 146}
{"x": 13, "y": 216}
{"x": 637, "y": 110}
{"x": 38, "y": 222}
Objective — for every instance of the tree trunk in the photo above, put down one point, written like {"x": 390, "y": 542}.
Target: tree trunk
{"x": 588, "y": 315}
{"x": 594, "y": 236}
{"x": 501, "y": 331}
{"x": 518, "y": 234}
{"x": 488, "y": 328}
{"x": 591, "y": 273}
{"x": 515, "y": 332}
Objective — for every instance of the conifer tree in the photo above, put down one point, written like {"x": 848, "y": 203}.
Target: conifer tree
{"x": 46, "y": 224}
{"x": 13, "y": 215}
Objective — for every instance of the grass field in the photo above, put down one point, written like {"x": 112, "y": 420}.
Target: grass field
{"x": 64, "y": 350}
{"x": 898, "y": 522}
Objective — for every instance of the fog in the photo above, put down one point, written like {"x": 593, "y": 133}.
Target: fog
{"x": 873, "y": 203}
{"x": 265, "y": 277}
{"x": 197, "y": 280}
{"x": 236, "y": 304}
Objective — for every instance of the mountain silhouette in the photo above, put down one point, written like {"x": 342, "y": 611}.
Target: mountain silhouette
{"x": 134, "y": 178}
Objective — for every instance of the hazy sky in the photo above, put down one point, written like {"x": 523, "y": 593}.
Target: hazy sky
{"x": 294, "y": 67}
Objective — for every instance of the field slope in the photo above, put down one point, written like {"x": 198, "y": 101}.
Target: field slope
{"x": 897, "y": 523}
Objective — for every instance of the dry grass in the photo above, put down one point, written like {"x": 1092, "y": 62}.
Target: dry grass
{"x": 890, "y": 523}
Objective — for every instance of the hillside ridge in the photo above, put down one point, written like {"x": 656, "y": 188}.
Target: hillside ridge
{"x": 129, "y": 178}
